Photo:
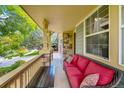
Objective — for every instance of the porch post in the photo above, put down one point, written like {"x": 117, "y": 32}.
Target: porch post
{"x": 60, "y": 43}
{"x": 46, "y": 41}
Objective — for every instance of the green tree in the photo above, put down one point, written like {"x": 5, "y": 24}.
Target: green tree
{"x": 17, "y": 30}
{"x": 54, "y": 39}
{"x": 34, "y": 40}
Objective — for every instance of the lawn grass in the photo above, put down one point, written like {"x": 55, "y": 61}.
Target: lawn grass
{"x": 4, "y": 70}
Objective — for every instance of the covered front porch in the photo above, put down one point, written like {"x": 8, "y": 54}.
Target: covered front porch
{"x": 87, "y": 31}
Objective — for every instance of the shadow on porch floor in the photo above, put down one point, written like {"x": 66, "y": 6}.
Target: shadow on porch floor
{"x": 60, "y": 80}
{"x": 52, "y": 76}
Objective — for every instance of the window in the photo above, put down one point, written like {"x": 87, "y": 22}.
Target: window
{"x": 121, "y": 35}
{"x": 97, "y": 33}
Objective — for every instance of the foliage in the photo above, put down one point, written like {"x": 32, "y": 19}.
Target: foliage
{"x": 4, "y": 70}
{"x": 54, "y": 40}
{"x": 11, "y": 53}
{"x": 18, "y": 20}
{"x": 34, "y": 41}
{"x": 18, "y": 39}
{"x": 22, "y": 51}
{"x": 18, "y": 30}
{"x": 12, "y": 42}
{"x": 31, "y": 53}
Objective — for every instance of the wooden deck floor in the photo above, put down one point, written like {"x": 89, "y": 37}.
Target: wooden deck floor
{"x": 46, "y": 79}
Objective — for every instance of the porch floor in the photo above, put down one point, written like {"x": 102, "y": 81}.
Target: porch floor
{"x": 60, "y": 80}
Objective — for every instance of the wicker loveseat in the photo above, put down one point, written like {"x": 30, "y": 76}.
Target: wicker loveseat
{"x": 79, "y": 66}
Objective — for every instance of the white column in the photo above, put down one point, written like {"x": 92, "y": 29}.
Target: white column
{"x": 60, "y": 43}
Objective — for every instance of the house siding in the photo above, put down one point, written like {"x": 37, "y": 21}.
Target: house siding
{"x": 79, "y": 39}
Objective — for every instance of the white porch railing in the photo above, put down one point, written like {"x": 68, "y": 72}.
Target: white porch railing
{"x": 21, "y": 77}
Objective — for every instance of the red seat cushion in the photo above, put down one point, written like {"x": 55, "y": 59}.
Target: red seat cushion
{"x": 75, "y": 80}
{"x": 73, "y": 71}
{"x": 82, "y": 63}
{"x": 74, "y": 60}
{"x": 66, "y": 64}
{"x": 75, "y": 76}
{"x": 106, "y": 74}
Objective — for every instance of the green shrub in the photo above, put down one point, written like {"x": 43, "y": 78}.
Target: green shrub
{"x": 9, "y": 56}
{"x": 22, "y": 51}
{"x": 4, "y": 70}
{"x": 33, "y": 52}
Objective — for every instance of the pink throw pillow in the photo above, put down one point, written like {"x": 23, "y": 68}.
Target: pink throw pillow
{"x": 90, "y": 80}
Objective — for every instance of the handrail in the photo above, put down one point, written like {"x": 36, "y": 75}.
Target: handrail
{"x": 21, "y": 76}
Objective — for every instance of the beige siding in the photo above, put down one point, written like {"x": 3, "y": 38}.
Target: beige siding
{"x": 79, "y": 39}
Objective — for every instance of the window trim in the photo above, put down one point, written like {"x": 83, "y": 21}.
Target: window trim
{"x": 97, "y": 56}
{"x": 120, "y": 36}
{"x": 104, "y": 31}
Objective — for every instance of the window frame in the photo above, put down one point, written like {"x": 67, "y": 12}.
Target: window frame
{"x": 99, "y": 32}
{"x": 121, "y": 26}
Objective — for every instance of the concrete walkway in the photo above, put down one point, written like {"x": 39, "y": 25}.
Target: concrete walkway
{"x": 61, "y": 80}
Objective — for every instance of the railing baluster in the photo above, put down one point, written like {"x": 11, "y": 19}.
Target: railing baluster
{"x": 21, "y": 81}
{"x": 21, "y": 76}
{"x": 18, "y": 83}
{"x": 12, "y": 84}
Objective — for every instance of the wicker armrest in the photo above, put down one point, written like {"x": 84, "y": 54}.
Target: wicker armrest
{"x": 117, "y": 78}
{"x": 92, "y": 87}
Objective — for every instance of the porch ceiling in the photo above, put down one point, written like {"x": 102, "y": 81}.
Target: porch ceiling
{"x": 60, "y": 17}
